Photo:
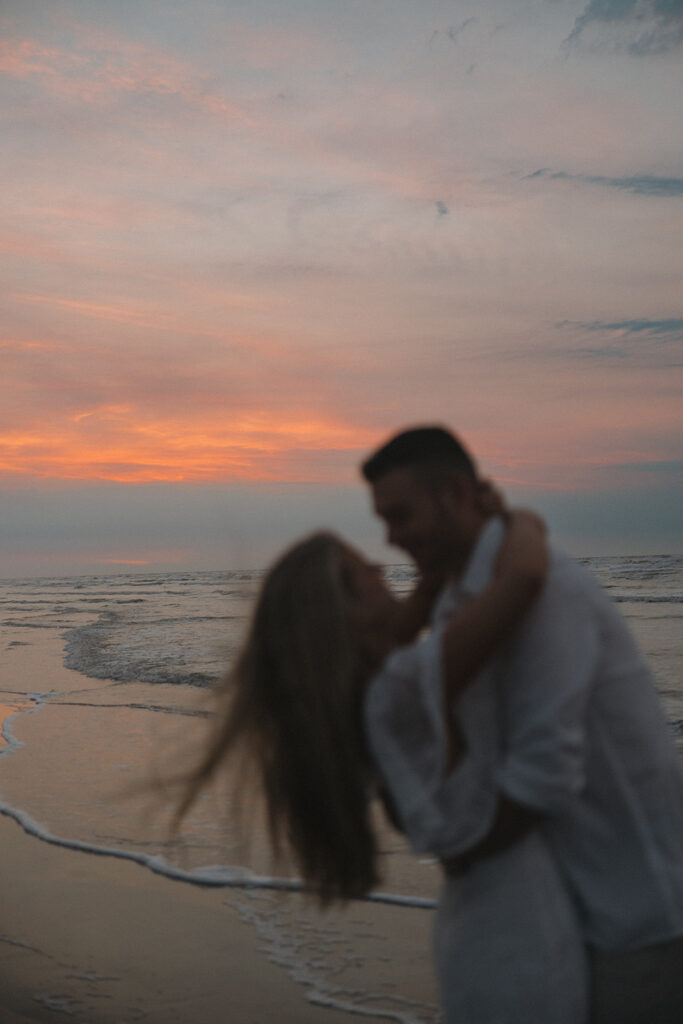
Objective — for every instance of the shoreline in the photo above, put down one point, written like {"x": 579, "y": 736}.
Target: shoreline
{"x": 91, "y": 933}
{"x": 101, "y": 942}
{"x": 22, "y": 702}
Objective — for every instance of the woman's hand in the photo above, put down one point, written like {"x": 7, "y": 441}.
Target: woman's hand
{"x": 524, "y": 554}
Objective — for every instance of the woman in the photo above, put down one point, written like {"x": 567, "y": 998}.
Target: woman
{"x": 327, "y": 703}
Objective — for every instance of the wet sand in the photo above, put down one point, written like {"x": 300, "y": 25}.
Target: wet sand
{"x": 97, "y": 940}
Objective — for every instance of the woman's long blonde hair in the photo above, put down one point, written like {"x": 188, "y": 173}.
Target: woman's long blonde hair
{"x": 293, "y": 709}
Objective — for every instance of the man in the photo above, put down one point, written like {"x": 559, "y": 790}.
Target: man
{"x": 587, "y": 755}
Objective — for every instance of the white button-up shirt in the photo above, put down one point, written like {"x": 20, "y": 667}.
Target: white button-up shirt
{"x": 565, "y": 720}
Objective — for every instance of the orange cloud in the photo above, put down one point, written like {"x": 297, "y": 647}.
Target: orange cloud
{"x": 114, "y": 443}
{"x": 108, "y": 444}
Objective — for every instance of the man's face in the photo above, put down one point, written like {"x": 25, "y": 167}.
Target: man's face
{"x": 434, "y": 525}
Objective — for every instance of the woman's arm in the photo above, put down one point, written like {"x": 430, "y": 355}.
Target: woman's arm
{"x": 472, "y": 636}
{"x": 480, "y": 627}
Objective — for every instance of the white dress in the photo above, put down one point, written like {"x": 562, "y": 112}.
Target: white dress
{"x": 507, "y": 944}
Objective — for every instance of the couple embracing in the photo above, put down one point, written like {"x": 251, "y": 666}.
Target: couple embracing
{"x": 504, "y": 715}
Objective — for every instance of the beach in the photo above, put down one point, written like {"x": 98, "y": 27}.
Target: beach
{"x": 91, "y": 937}
{"x": 105, "y": 917}
{"x": 101, "y": 941}
{"x": 98, "y": 940}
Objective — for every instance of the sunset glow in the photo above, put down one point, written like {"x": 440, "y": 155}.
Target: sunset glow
{"x": 239, "y": 246}
{"x": 109, "y": 444}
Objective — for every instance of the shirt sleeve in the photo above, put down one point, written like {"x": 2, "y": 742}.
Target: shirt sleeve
{"x": 442, "y": 811}
{"x": 547, "y": 678}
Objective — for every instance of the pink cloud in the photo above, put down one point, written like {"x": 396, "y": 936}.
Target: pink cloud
{"x": 138, "y": 314}
{"x": 107, "y": 65}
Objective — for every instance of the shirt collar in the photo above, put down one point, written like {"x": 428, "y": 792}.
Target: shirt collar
{"x": 479, "y": 569}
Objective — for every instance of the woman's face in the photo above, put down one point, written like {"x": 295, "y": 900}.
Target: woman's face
{"x": 371, "y": 594}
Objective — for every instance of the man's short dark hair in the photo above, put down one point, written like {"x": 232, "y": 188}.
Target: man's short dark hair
{"x": 420, "y": 447}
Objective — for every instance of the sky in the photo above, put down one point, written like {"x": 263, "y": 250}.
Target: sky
{"x": 241, "y": 243}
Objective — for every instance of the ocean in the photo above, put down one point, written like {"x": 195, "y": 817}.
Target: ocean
{"x": 121, "y": 669}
